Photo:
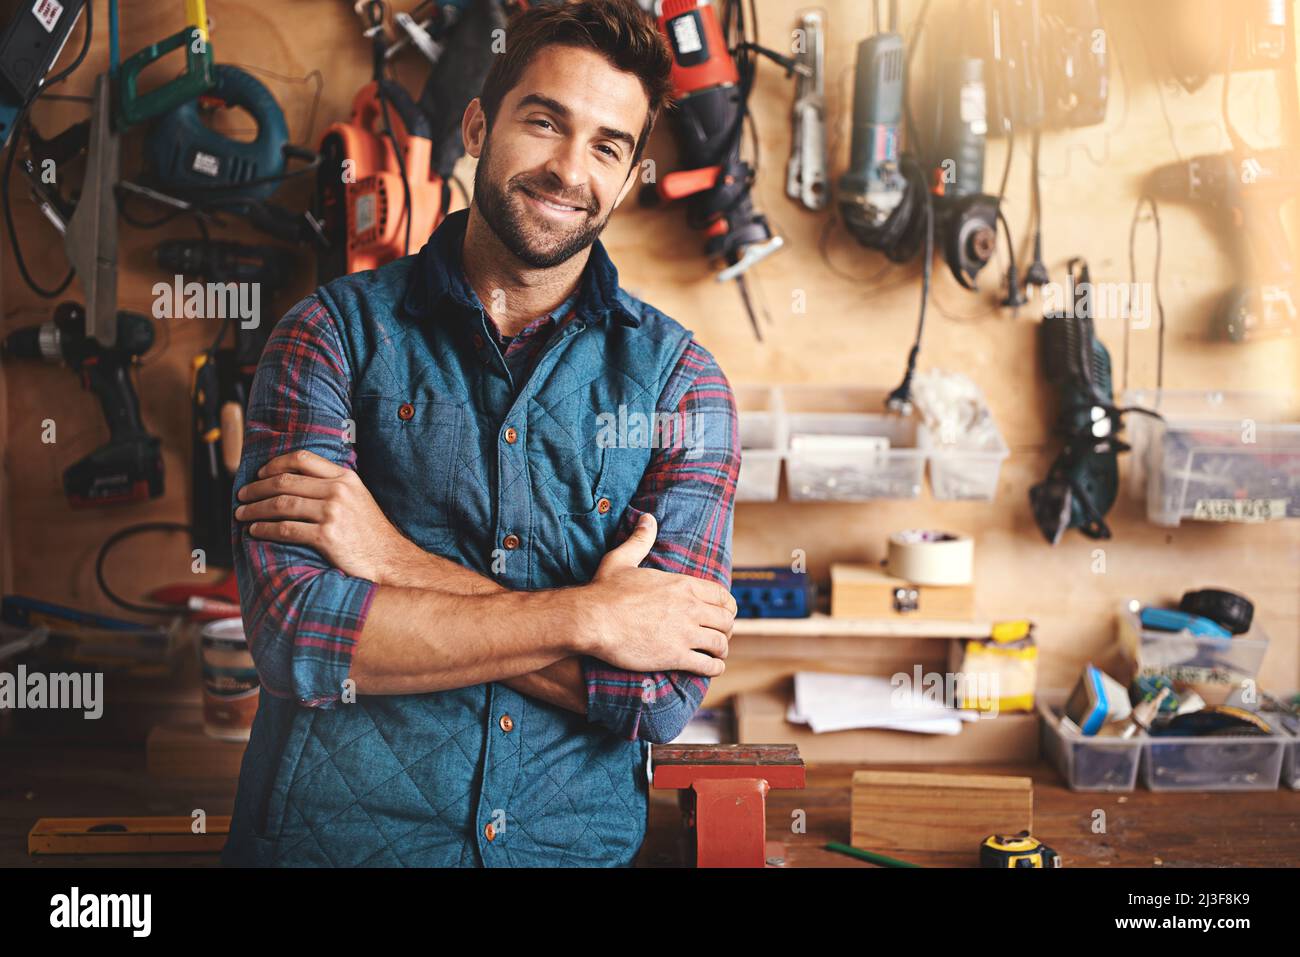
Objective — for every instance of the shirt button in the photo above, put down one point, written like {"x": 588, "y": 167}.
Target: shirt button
{"x": 507, "y": 723}
{"x": 602, "y": 506}
{"x": 511, "y": 436}
{"x": 511, "y": 541}
{"x": 490, "y": 832}
{"x": 406, "y": 411}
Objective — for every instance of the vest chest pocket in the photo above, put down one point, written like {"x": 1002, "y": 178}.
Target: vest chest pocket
{"x": 589, "y": 525}
{"x": 406, "y": 456}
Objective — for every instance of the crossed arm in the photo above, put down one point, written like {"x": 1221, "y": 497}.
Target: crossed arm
{"x": 332, "y": 590}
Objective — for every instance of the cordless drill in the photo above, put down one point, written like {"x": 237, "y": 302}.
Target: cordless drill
{"x": 1251, "y": 186}
{"x": 129, "y": 467}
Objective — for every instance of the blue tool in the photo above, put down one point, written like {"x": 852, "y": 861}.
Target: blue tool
{"x": 187, "y": 155}
{"x": 771, "y": 593}
{"x": 1167, "y": 619}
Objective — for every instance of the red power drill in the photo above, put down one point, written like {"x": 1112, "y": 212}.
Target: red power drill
{"x": 1250, "y": 185}
{"x": 711, "y": 95}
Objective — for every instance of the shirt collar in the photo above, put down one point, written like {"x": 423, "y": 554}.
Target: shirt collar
{"x": 439, "y": 275}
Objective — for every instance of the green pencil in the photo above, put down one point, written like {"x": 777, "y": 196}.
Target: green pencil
{"x": 871, "y": 856}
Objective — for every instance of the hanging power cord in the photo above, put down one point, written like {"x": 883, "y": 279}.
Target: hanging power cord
{"x": 900, "y": 400}
{"x": 18, "y": 126}
{"x": 1155, "y": 283}
{"x": 130, "y": 532}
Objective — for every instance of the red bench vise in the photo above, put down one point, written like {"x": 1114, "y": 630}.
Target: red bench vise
{"x": 723, "y": 796}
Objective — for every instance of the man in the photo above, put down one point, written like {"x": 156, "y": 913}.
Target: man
{"x": 431, "y": 458}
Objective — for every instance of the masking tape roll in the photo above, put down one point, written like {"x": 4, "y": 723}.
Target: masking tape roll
{"x": 926, "y": 557}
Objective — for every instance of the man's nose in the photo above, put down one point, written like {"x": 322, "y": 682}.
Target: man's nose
{"x": 568, "y": 164}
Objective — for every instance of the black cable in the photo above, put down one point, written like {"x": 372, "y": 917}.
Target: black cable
{"x": 13, "y": 150}
{"x": 401, "y": 167}
{"x": 118, "y": 536}
{"x": 901, "y": 398}
{"x": 1155, "y": 282}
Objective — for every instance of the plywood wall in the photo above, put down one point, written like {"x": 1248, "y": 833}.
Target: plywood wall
{"x": 856, "y": 329}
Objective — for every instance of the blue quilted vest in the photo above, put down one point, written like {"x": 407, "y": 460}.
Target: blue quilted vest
{"x": 416, "y": 779}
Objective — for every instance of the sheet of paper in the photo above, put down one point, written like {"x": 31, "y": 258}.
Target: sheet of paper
{"x": 833, "y": 702}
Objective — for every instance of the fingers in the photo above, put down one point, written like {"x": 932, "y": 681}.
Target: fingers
{"x": 286, "y": 483}
{"x": 713, "y": 593}
{"x": 303, "y": 462}
{"x": 632, "y": 552}
{"x": 719, "y": 619}
{"x": 282, "y": 507}
{"x": 705, "y": 665}
{"x": 711, "y": 641}
{"x": 290, "y": 533}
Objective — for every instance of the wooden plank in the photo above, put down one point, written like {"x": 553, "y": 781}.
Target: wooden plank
{"x": 892, "y": 811}
{"x": 127, "y": 835}
{"x": 823, "y": 625}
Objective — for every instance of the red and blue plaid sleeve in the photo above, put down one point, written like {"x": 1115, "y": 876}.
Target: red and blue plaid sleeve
{"x": 301, "y": 615}
{"x": 690, "y": 486}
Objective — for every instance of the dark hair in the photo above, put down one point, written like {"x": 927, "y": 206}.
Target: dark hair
{"x": 619, "y": 30}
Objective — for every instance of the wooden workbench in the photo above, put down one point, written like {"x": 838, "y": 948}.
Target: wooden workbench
{"x": 1143, "y": 828}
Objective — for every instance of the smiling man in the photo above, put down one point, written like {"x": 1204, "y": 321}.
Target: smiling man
{"x": 471, "y": 611}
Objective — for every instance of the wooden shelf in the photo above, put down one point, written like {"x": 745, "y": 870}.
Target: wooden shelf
{"x": 821, "y": 624}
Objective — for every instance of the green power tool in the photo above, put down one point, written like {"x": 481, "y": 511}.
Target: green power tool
{"x": 1083, "y": 482}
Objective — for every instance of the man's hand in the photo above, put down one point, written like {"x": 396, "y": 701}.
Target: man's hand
{"x": 303, "y": 499}
{"x": 642, "y": 619}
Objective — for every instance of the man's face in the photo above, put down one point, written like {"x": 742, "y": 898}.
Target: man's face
{"x": 558, "y": 158}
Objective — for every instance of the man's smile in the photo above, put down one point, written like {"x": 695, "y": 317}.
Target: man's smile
{"x": 552, "y": 207}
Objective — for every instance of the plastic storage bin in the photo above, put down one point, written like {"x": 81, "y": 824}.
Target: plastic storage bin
{"x": 1291, "y": 752}
{"x": 1217, "y": 456}
{"x": 762, "y": 442}
{"x": 1244, "y": 763}
{"x": 965, "y": 474}
{"x": 1086, "y": 763}
{"x": 894, "y": 471}
{"x": 1216, "y": 667}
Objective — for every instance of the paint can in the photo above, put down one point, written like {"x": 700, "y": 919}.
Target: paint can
{"x": 230, "y": 683}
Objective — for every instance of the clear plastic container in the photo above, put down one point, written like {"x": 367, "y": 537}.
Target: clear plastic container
{"x": 1217, "y": 456}
{"x": 969, "y": 475}
{"x": 1246, "y": 763}
{"x": 762, "y": 443}
{"x": 893, "y": 470}
{"x": 1086, "y": 763}
{"x": 1214, "y": 667}
{"x": 1291, "y": 753}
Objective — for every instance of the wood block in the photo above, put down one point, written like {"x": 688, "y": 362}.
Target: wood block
{"x": 864, "y": 591}
{"x": 1006, "y": 739}
{"x": 183, "y": 750}
{"x": 126, "y": 835}
{"x": 902, "y": 811}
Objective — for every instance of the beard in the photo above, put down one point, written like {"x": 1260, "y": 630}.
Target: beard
{"x": 538, "y": 244}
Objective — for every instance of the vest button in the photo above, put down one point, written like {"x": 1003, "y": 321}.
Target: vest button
{"x": 406, "y": 411}
{"x": 511, "y": 541}
{"x": 511, "y": 436}
{"x": 507, "y": 723}
{"x": 490, "y": 832}
{"x": 602, "y": 506}
{"x": 478, "y": 341}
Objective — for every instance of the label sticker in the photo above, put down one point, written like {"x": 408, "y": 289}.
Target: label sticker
{"x": 47, "y": 13}
{"x": 205, "y": 163}
{"x": 364, "y": 212}
{"x": 1239, "y": 510}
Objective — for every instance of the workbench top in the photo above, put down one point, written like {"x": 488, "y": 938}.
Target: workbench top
{"x": 1143, "y": 828}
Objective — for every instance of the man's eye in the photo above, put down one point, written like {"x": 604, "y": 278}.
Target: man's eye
{"x": 545, "y": 123}
{"x": 608, "y": 151}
